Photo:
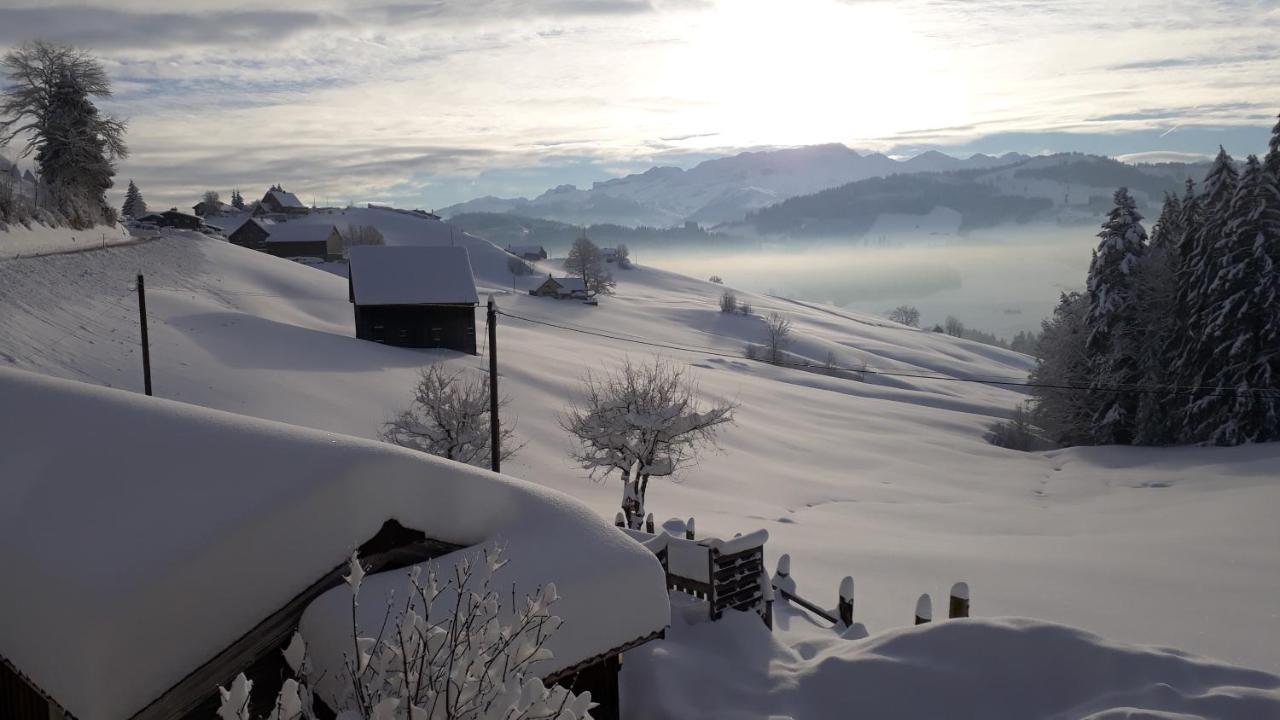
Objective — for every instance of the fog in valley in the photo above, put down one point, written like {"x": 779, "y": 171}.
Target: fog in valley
{"x": 999, "y": 280}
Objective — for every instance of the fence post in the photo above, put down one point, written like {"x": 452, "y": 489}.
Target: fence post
{"x": 924, "y": 609}
{"x": 959, "y": 607}
{"x": 648, "y": 523}
{"x": 846, "y": 601}
{"x": 688, "y": 530}
{"x": 784, "y": 565}
{"x": 620, "y": 520}
{"x": 766, "y": 593}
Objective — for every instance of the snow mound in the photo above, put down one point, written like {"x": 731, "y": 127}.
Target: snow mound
{"x": 141, "y": 536}
{"x": 993, "y": 669}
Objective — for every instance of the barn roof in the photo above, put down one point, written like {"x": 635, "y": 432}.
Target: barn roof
{"x": 571, "y": 284}
{"x": 292, "y": 232}
{"x": 285, "y": 199}
{"x": 412, "y": 275}
{"x": 174, "y": 529}
{"x": 525, "y": 249}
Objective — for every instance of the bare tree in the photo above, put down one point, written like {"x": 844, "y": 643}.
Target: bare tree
{"x": 449, "y": 417}
{"x": 906, "y": 315}
{"x": 778, "y": 338}
{"x": 728, "y": 302}
{"x": 587, "y": 262}
{"x": 362, "y": 235}
{"x": 716, "y": 279}
{"x": 642, "y": 420}
{"x": 211, "y": 198}
{"x": 954, "y": 327}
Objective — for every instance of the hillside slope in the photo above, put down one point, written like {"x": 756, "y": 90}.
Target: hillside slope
{"x": 890, "y": 480}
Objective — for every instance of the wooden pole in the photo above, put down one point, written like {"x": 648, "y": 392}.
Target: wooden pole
{"x": 688, "y": 530}
{"x": 620, "y": 520}
{"x": 845, "y": 606}
{"x": 495, "y": 441}
{"x": 959, "y": 605}
{"x": 648, "y": 523}
{"x": 146, "y": 345}
{"x": 924, "y": 609}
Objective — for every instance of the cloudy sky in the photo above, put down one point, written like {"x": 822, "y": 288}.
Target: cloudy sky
{"x": 429, "y": 103}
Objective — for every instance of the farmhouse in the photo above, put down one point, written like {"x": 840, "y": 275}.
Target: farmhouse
{"x": 533, "y": 253}
{"x": 180, "y": 546}
{"x": 280, "y": 202}
{"x": 289, "y": 239}
{"x": 414, "y": 296}
{"x": 204, "y": 208}
{"x": 561, "y": 288}
{"x": 173, "y": 218}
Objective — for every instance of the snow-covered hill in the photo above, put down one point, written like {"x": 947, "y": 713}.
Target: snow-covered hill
{"x": 889, "y": 480}
{"x": 719, "y": 190}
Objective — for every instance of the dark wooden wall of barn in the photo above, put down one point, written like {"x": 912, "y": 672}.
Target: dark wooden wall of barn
{"x": 316, "y": 249}
{"x": 425, "y": 326}
{"x": 602, "y": 680}
{"x": 18, "y": 700}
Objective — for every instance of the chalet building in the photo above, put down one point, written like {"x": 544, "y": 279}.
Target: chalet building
{"x": 173, "y": 218}
{"x": 280, "y": 202}
{"x": 532, "y": 253}
{"x": 205, "y": 208}
{"x": 289, "y": 239}
{"x": 414, "y": 296}
{"x": 562, "y": 288}
{"x": 151, "y": 599}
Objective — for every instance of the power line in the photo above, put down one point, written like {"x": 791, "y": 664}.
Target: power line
{"x": 1147, "y": 389}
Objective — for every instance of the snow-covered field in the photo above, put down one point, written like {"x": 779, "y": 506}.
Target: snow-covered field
{"x": 889, "y": 480}
{"x": 19, "y": 241}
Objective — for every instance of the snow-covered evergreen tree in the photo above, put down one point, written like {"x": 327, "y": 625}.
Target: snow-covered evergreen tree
{"x": 1159, "y": 326}
{"x": 237, "y": 200}
{"x": 1061, "y": 409}
{"x": 1114, "y": 322}
{"x": 1197, "y": 270}
{"x": 134, "y": 206}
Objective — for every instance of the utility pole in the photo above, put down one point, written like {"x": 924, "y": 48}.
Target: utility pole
{"x": 495, "y": 442}
{"x": 146, "y": 346}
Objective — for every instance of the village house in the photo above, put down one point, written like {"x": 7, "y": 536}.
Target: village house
{"x": 205, "y": 208}
{"x": 561, "y": 288}
{"x": 414, "y": 296}
{"x": 278, "y": 201}
{"x": 238, "y": 535}
{"x": 532, "y": 253}
{"x": 173, "y": 218}
{"x": 289, "y": 239}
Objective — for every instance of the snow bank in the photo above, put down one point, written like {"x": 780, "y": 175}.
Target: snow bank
{"x": 993, "y": 669}
{"x": 38, "y": 239}
{"x": 141, "y": 536}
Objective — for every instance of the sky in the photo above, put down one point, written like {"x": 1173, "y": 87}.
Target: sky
{"x": 424, "y": 104}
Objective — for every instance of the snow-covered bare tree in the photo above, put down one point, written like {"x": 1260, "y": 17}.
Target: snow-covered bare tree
{"x": 211, "y": 197}
{"x": 953, "y": 327}
{"x": 134, "y": 206}
{"x": 642, "y": 420}
{"x": 49, "y": 101}
{"x": 362, "y": 235}
{"x": 1061, "y": 408}
{"x": 449, "y": 417}
{"x": 906, "y": 315}
{"x": 1114, "y": 321}
{"x": 586, "y": 261}
{"x": 450, "y": 650}
{"x": 777, "y": 337}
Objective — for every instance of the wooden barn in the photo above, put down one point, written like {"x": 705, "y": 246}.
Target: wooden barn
{"x": 562, "y": 288}
{"x": 532, "y": 253}
{"x": 147, "y": 601}
{"x": 414, "y": 296}
{"x": 289, "y": 239}
{"x": 252, "y": 233}
{"x": 173, "y": 218}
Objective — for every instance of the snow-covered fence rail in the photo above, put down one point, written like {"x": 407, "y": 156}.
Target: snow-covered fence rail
{"x": 727, "y": 574}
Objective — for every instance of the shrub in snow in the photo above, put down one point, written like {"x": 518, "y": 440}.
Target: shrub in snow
{"x": 449, "y": 417}
{"x": 716, "y": 279}
{"x": 447, "y": 652}
{"x": 777, "y": 338}
{"x": 744, "y": 307}
{"x": 642, "y": 420}
{"x": 1017, "y": 433}
{"x": 728, "y": 302}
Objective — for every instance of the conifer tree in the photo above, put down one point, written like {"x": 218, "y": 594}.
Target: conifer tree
{"x": 1062, "y": 366}
{"x": 237, "y": 200}
{"x": 1114, "y": 322}
{"x": 134, "y": 206}
{"x": 1160, "y": 328}
{"x": 1197, "y": 269}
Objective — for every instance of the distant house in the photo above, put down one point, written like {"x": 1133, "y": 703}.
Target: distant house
{"x": 562, "y": 288}
{"x": 205, "y": 208}
{"x": 609, "y": 254}
{"x": 414, "y": 296}
{"x": 173, "y": 218}
{"x": 280, "y": 202}
{"x": 532, "y": 253}
{"x": 289, "y": 239}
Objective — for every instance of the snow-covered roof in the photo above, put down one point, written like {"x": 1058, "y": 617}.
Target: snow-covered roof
{"x": 298, "y": 232}
{"x": 525, "y": 249}
{"x": 571, "y": 284}
{"x": 172, "y": 530}
{"x": 285, "y": 199}
{"x": 412, "y": 275}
